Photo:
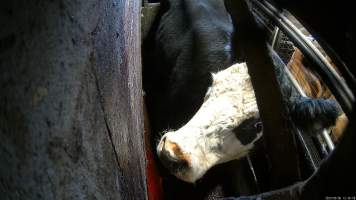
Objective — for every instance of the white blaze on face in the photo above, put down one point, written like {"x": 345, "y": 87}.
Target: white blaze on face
{"x": 209, "y": 137}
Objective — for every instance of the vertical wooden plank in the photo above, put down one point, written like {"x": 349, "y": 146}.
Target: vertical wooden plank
{"x": 71, "y": 101}
{"x": 119, "y": 80}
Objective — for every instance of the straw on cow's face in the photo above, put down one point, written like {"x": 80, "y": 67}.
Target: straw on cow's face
{"x": 225, "y": 127}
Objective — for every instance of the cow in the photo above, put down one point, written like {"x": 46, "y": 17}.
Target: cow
{"x": 315, "y": 88}
{"x": 201, "y": 99}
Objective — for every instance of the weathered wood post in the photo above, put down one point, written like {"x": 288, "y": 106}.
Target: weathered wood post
{"x": 71, "y": 122}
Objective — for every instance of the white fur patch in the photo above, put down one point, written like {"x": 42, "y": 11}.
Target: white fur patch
{"x": 208, "y": 138}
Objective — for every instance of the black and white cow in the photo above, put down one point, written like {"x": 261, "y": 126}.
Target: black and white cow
{"x": 203, "y": 103}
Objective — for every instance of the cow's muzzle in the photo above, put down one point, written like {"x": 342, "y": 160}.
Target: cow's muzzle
{"x": 172, "y": 157}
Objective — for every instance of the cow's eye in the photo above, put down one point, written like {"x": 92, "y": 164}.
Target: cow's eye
{"x": 247, "y": 131}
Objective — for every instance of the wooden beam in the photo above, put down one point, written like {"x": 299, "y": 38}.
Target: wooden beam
{"x": 250, "y": 42}
{"x": 71, "y": 116}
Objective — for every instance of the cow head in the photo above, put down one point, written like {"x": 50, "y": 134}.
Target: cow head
{"x": 224, "y": 128}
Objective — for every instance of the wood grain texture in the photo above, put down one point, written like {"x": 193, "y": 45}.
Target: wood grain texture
{"x": 71, "y": 112}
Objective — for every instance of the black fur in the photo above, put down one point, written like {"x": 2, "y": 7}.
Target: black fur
{"x": 247, "y": 131}
{"x": 189, "y": 40}
{"x": 314, "y": 114}
{"x": 187, "y": 43}
{"x": 309, "y": 114}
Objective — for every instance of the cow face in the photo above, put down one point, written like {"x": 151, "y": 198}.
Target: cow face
{"x": 224, "y": 128}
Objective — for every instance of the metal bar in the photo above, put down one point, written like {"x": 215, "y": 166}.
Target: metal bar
{"x": 308, "y": 153}
{"x": 305, "y": 140}
{"x": 275, "y": 36}
{"x": 253, "y": 173}
{"x": 335, "y": 82}
{"x": 324, "y": 133}
{"x": 315, "y": 51}
{"x": 327, "y": 140}
{"x": 295, "y": 82}
{"x": 318, "y": 54}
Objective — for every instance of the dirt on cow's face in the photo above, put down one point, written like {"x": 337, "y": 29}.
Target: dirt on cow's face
{"x": 216, "y": 132}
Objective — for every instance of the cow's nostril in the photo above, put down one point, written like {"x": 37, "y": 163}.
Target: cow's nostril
{"x": 171, "y": 156}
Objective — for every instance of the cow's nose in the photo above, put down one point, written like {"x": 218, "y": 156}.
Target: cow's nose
{"x": 172, "y": 157}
